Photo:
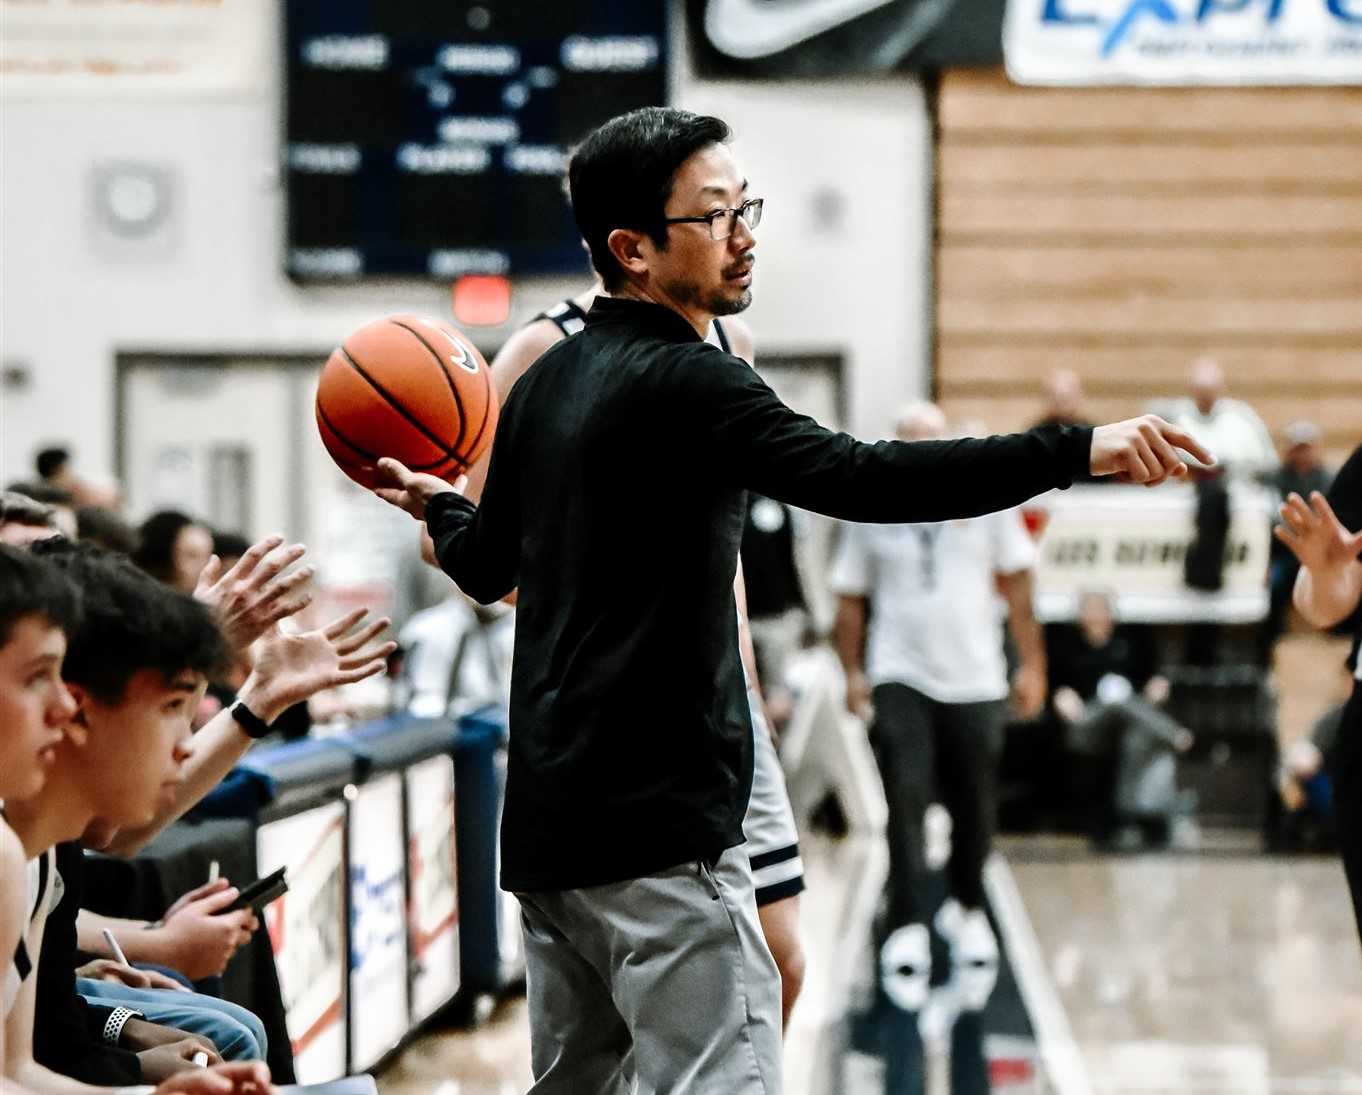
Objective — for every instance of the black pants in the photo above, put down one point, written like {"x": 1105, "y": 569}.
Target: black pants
{"x": 1348, "y": 797}
{"x": 936, "y": 752}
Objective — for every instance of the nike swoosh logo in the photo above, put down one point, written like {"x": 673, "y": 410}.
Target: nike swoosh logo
{"x": 748, "y": 29}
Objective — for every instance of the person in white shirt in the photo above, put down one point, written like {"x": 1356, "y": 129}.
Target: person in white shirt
{"x": 1229, "y": 427}
{"x": 919, "y": 633}
{"x": 457, "y": 654}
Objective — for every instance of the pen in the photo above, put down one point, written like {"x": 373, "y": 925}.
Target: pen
{"x": 113, "y": 946}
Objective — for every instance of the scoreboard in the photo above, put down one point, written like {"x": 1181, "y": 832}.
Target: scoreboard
{"x": 430, "y": 139}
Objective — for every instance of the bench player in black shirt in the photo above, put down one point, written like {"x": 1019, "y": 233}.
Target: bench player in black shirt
{"x": 625, "y": 455}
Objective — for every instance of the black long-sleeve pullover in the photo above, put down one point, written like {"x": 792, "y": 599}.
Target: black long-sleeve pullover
{"x": 615, "y": 502}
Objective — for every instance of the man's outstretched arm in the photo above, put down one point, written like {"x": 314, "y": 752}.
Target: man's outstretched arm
{"x": 761, "y": 444}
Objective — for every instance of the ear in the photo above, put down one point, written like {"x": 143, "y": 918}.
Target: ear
{"x": 631, "y": 250}
{"x": 77, "y": 730}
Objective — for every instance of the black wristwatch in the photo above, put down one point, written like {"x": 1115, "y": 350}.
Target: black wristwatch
{"x": 249, "y": 721}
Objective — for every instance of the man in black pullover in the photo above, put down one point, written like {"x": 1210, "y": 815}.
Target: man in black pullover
{"x": 615, "y": 502}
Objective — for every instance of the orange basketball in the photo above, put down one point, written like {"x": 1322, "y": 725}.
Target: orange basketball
{"x": 409, "y": 387}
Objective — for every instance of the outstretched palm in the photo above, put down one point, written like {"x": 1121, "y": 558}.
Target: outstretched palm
{"x": 290, "y": 668}
{"x": 1315, "y": 535}
{"x": 257, "y": 592}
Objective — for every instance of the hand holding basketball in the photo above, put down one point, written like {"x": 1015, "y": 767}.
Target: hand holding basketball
{"x": 408, "y": 387}
{"x": 409, "y": 490}
{"x": 1142, "y": 450}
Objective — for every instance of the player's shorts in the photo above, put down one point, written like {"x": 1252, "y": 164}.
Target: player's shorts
{"x": 772, "y": 840}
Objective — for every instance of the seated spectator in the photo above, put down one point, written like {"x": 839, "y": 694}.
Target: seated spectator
{"x": 102, "y": 526}
{"x": 53, "y": 465}
{"x": 1063, "y": 400}
{"x": 174, "y": 549}
{"x": 136, "y": 663}
{"x": 229, "y": 547}
{"x": 1307, "y": 821}
{"x": 1230, "y": 428}
{"x": 1302, "y": 470}
{"x": 1107, "y": 693}
{"x": 22, "y": 520}
{"x": 60, "y": 502}
{"x": 49, "y": 709}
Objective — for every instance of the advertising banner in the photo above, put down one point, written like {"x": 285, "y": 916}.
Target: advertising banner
{"x": 133, "y": 49}
{"x": 1230, "y": 42}
{"x": 433, "y": 916}
{"x": 1133, "y": 545}
{"x": 780, "y": 39}
{"x": 307, "y": 930}
{"x": 378, "y": 932}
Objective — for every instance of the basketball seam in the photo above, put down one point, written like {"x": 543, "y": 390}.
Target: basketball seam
{"x": 453, "y": 387}
{"x": 321, "y": 413}
{"x": 398, "y": 407}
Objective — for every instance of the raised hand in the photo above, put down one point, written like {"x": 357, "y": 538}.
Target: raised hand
{"x": 1143, "y": 450}
{"x": 255, "y": 594}
{"x": 411, "y": 491}
{"x": 290, "y": 668}
{"x": 1315, "y": 535}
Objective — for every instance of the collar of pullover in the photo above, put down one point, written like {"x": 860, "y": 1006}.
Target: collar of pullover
{"x": 653, "y": 318}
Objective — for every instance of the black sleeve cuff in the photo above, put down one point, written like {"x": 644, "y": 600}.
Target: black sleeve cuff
{"x": 1076, "y": 453}
{"x": 444, "y": 504}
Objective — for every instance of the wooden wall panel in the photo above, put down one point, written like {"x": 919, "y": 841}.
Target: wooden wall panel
{"x": 982, "y": 101}
{"x": 1124, "y": 232}
{"x": 1114, "y": 216}
{"x": 1151, "y": 166}
{"x": 1123, "y": 269}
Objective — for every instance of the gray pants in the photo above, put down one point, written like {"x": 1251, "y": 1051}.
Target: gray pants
{"x": 663, "y": 981}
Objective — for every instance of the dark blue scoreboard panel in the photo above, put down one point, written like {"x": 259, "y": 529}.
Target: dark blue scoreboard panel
{"x": 430, "y": 139}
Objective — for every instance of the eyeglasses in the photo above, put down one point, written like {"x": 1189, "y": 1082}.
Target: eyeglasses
{"x": 722, "y": 221}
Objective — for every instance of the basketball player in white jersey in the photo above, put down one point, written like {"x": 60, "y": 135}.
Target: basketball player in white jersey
{"x": 772, "y": 840}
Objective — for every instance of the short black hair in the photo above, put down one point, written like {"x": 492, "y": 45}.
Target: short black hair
{"x": 50, "y": 460}
{"x": 229, "y": 545}
{"x": 31, "y": 586}
{"x": 156, "y": 544}
{"x": 104, "y": 527}
{"x": 20, "y": 509}
{"x": 621, "y": 176}
{"x": 130, "y": 622}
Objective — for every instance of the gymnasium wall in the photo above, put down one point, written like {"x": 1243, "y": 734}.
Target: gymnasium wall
{"x": 1123, "y": 232}
{"x": 843, "y": 254}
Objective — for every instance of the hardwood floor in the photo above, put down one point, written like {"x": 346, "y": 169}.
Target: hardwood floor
{"x": 1219, "y": 973}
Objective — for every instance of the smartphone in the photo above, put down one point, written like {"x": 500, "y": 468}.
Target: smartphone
{"x": 260, "y": 892}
